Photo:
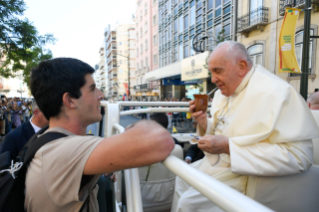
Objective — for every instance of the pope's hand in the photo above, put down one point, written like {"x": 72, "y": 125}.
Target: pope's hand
{"x": 200, "y": 117}
{"x": 214, "y": 144}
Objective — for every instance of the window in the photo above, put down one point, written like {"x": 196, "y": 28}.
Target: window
{"x": 175, "y": 25}
{"x": 210, "y": 23}
{"x": 298, "y": 50}
{"x": 155, "y": 59}
{"x": 146, "y": 45}
{"x": 227, "y": 30}
{"x": 218, "y": 3}
{"x": 181, "y": 24}
{"x": 186, "y": 51}
{"x": 154, "y": 19}
{"x": 120, "y": 61}
{"x": 210, "y": 4}
{"x": 192, "y": 16}
{"x": 154, "y": 2}
{"x": 154, "y": 39}
{"x": 180, "y": 52}
{"x": 137, "y": 51}
{"x": 141, "y": 31}
{"x": 186, "y": 22}
{"x": 256, "y": 54}
{"x": 227, "y": 10}
{"x": 146, "y": 63}
{"x": 218, "y": 28}
{"x": 120, "y": 43}
{"x": 146, "y": 27}
{"x": 141, "y": 49}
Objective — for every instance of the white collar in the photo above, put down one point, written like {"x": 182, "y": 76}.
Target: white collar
{"x": 35, "y": 127}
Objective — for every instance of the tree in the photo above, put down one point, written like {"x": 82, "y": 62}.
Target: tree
{"x": 20, "y": 42}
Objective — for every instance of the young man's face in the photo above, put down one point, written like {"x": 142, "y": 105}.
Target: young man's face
{"x": 88, "y": 105}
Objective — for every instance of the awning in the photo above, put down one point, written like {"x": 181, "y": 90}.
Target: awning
{"x": 167, "y": 71}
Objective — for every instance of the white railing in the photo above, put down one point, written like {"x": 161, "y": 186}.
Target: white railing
{"x": 222, "y": 195}
{"x": 132, "y": 182}
{"x": 154, "y": 110}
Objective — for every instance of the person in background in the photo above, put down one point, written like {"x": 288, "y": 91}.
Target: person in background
{"x": 25, "y": 112}
{"x": 16, "y": 139}
{"x": 16, "y": 115}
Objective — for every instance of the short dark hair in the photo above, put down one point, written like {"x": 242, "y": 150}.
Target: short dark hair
{"x": 160, "y": 118}
{"x": 52, "y": 78}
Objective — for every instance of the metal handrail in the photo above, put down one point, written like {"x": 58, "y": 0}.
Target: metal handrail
{"x": 154, "y": 110}
{"x": 221, "y": 194}
{"x": 132, "y": 182}
{"x": 167, "y": 104}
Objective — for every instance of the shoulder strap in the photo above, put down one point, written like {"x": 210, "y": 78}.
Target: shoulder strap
{"x": 25, "y": 156}
{"x": 34, "y": 146}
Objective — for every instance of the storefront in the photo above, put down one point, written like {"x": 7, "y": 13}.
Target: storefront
{"x": 184, "y": 78}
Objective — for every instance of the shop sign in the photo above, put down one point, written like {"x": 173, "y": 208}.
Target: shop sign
{"x": 193, "y": 67}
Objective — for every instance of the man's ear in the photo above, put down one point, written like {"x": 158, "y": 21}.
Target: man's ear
{"x": 242, "y": 68}
{"x": 68, "y": 101}
{"x": 309, "y": 105}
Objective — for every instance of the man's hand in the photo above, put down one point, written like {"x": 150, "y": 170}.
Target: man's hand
{"x": 200, "y": 117}
{"x": 214, "y": 144}
{"x": 112, "y": 177}
{"x": 187, "y": 160}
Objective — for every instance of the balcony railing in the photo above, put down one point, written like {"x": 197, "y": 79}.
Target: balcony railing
{"x": 255, "y": 19}
{"x": 283, "y": 4}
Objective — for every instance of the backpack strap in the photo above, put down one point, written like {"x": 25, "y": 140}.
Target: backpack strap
{"x": 26, "y": 155}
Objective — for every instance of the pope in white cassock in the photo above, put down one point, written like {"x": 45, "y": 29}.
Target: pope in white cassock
{"x": 260, "y": 126}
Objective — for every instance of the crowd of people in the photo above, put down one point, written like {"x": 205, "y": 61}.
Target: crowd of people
{"x": 13, "y": 112}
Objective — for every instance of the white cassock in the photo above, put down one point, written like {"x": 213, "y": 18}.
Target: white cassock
{"x": 269, "y": 127}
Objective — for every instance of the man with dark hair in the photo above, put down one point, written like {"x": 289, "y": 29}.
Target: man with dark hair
{"x": 64, "y": 172}
{"x": 16, "y": 139}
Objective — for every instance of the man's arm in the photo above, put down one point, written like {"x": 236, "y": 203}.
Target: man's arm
{"x": 268, "y": 159}
{"x": 145, "y": 143}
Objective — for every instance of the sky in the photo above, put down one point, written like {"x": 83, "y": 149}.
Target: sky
{"x": 78, "y": 25}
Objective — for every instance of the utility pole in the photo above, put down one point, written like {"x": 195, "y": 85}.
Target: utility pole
{"x": 305, "y": 51}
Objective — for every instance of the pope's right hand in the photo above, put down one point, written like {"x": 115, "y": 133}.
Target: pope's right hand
{"x": 200, "y": 117}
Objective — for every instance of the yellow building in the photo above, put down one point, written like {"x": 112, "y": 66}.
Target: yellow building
{"x": 258, "y": 28}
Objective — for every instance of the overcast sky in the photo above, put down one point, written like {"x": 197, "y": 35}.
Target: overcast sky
{"x": 77, "y": 24}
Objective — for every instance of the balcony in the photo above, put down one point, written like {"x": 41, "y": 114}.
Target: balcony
{"x": 293, "y": 3}
{"x": 256, "y": 19}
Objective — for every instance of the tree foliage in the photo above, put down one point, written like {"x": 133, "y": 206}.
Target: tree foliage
{"x": 21, "y": 47}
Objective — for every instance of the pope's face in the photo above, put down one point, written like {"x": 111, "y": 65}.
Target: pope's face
{"x": 224, "y": 70}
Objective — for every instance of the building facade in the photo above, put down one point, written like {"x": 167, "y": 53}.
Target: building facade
{"x": 146, "y": 48}
{"x": 259, "y": 25}
{"x": 120, "y": 53}
{"x": 179, "y": 22}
